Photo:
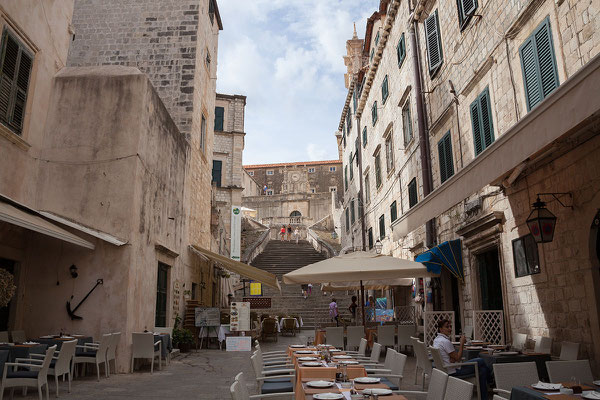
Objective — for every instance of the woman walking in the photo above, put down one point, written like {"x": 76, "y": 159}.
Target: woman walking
{"x": 289, "y": 232}
{"x": 282, "y": 233}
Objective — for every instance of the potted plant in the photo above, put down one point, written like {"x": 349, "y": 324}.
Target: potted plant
{"x": 182, "y": 338}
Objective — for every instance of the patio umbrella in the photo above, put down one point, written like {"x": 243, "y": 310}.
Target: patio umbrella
{"x": 368, "y": 285}
{"x": 359, "y": 266}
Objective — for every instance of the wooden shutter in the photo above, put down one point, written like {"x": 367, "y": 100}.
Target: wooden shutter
{"x": 384, "y": 89}
{"x": 476, "y": 122}
{"x": 487, "y": 126}
{"x": 377, "y": 171}
{"x": 370, "y": 238}
{"x": 347, "y": 220}
{"x": 393, "y": 212}
{"x": 401, "y": 50}
{"x": 374, "y": 113}
{"x": 346, "y": 177}
{"x": 445, "y": 156}
{"x": 466, "y": 8}
{"x": 219, "y": 117}
{"x": 352, "y": 213}
{"x": 350, "y": 166}
{"x": 161, "y": 295}
{"x": 356, "y": 146}
{"x": 546, "y": 59}
{"x": 364, "y": 138}
{"x": 412, "y": 193}
{"x": 382, "y": 227}
{"x": 434, "y": 43}
{"x": 406, "y": 123}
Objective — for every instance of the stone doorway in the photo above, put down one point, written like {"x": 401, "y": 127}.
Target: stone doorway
{"x": 490, "y": 281}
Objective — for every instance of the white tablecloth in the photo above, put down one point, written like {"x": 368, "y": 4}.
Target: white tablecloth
{"x": 213, "y": 331}
{"x": 283, "y": 319}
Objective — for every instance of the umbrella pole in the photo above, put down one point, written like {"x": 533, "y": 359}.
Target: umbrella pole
{"x": 362, "y": 304}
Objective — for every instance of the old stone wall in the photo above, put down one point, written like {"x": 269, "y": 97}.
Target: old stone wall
{"x": 276, "y": 209}
{"x": 301, "y": 177}
{"x": 251, "y": 188}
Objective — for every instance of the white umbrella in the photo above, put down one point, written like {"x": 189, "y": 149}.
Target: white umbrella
{"x": 368, "y": 285}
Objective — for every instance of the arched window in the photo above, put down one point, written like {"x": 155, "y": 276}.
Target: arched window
{"x": 295, "y": 214}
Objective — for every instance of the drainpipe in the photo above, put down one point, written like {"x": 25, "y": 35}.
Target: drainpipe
{"x": 423, "y": 133}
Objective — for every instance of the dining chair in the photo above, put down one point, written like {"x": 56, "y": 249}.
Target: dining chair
{"x": 435, "y": 391}
{"x": 111, "y": 352}
{"x": 509, "y": 375}
{"x": 362, "y": 349}
{"x": 60, "y": 366}
{"x": 438, "y": 362}
{"x": 29, "y": 378}
{"x": 335, "y": 336}
{"x": 288, "y": 326}
{"x": 274, "y": 381}
{"x": 405, "y": 332}
{"x": 458, "y": 389}
{"x": 543, "y": 344}
{"x": 272, "y": 363}
{"x": 267, "y": 354}
{"x": 269, "y": 328}
{"x": 569, "y": 351}
{"x": 423, "y": 361}
{"x": 519, "y": 341}
{"x": 144, "y": 346}
{"x": 393, "y": 378}
{"x": 386, "y": 335}
{"x": 92, "y": 353}
{"x": 4, "y": 337}
{"x": 387, "y": 363}
{"x": 239, "y": 391}
{"x": 565, "y": 371}
{"x": 18, "y": 336}
{"x": 354, "y": 335}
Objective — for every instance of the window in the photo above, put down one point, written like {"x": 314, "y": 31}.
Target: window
{"x": 466, "y": 9}
{"x": 331, "y": 169}
{"x": 538, "y": 63}
{"x": 481, "y": 119}
{"x": 216, "y": 172}
{"x": 219, "y": 116}
{"x": 349, "y": 121}
{"x": 202, "y": 132}
{"x": 372, "y": 54}
{"x": 525, "y": 256}
{"x": 367, "y": 189}
{"x": 207, "y": 59}
{"x": 445, "y": 155}
{"x": 407, "y": 123}
{"x": 356, "y": 148}
{"x": 401, "y": 50}
{"x": 364, "y": 136}
{"x": 384, "y": 90}
{"x": 377, "y": 39}
{"x": 352, "y": 213}
{"x": 351, "y": 169}
{"x": 270, "y": 192}
{"x": 162, "y": 283}
{"x": 333, "y": 188}
{"x": 412, "y": 193}
{"x": 434, "y": 43}
{"x": 312, "y": 190}
{"x": 377, "y": 170}
{"x": 311, "y": 170}
{"x": 270, "y": 172}
{"x": 251, "y": 173}
{"x": 393, "y": 212}
{"x": 354, "y": 100}
{"x": 382, "y": 227}
{"x": 370, "y": 237}
{"x": 374, "y": 113}
{"x": 347, "y": 219}
{"x": 345, "y": 178}
{"x": 211, "y": 11}
{"x": 15, "y": 71}
{"x": 344, "y": 135}
{"x": 389, "y": 153}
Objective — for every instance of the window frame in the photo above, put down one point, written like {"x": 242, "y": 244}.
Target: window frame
{"x": 483, "y": 99}
{"x": 393, "y": 211}
{"x": 401, "y": 50}
{"x": 374, "y": 116}
{"x": 251, "y": 173}
{"x": 203, "y": 133}
{"x": 445, "y": 149}
{"x": 382, "y": 227}
{"x": 311, "y": 170}
{"x": 370, "y": 238}
{"x": 384, "y": 90}
{"x": 220, "y": 177}
{"x": 270, "y": 172}
{"x": 332, "y": 169}
{"x": 222, "y": 119}
{"x": 520, "y": 241}
{"x": 412, "y": 188}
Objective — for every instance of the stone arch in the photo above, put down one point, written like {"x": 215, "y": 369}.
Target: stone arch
{"x": 295, "y": 213}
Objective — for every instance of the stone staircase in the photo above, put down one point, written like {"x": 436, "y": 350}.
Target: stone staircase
{"x": 280, "y": 258}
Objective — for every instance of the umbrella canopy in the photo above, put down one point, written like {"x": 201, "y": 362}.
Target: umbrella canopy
{"x": 367, "y": 285}
{"x": 357, "y": 266}
{"x": 447, "y": 254}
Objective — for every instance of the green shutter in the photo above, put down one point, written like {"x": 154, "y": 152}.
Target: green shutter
{"x": 219, "y": 118}
{"x": 538, "y": 64}
{"x": 352, "y": 214}
{"x": 346, "y": 177}
{"x": 350, "y": 166}
{"x": 476, "y": 123}
{"x": 445, "y": 156}
{"x": 393, "y": 212}
{"x": 382, "y": 227}
{"x": 412, "y": 193}
{"x": 384, "y": 90}
{"x": 434, "y": 43}
{"x": 377, "y": 39}
{"x": 401, "y": 50}
{"x": 347, "y": 220}
{"x": 356, "y": 146}
{"x": 370, "y": 238}
{"x": 372, "y": 53}
{"x": 466, "y": 8}
{"x": 406, "y": 123}
{"x": 364, "y": 136}
{"x": 374, "y": 113}
{"x": 216, "y": 172}
{"x": 377, "y": 170}
{"x": 354, "y": 100}
{"x": 481, "y": 119}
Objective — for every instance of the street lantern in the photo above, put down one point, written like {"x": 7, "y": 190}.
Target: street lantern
{"x": 378, "y": 246}
{"x": 541, "y": 222}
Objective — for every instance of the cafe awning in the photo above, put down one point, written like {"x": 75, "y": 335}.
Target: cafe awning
{"x": 20, "y": 215}
{"x": 239, "y": 268}
{"x": 383, "y": 284}
{"x": 448, "y": 255}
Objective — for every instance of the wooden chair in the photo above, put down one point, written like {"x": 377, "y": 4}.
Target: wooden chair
{"x": 269, "y": 328}
{"x": 288, "y": 325}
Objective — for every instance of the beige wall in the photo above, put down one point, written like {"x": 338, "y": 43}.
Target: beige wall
{"x": 251, "y": 188}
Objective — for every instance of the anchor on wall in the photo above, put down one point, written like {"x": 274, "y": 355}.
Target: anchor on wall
{"x": 72, "y": 312}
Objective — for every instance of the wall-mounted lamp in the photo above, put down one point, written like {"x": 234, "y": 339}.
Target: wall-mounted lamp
{"x": 73, "y": 271}
{"x": 541, "y": 221}
{"x": 378, "y": 246}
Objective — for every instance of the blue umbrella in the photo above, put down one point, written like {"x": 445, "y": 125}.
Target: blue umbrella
{"x": 448, "y": 254}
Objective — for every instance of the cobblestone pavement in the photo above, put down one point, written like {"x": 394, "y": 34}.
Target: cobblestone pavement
{"x": 203, "y": 374}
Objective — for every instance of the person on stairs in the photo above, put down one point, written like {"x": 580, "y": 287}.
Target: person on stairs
{"x": 282, "y": 233}
{"x": 333, "y": 312}
{"x": 296, "y": 234}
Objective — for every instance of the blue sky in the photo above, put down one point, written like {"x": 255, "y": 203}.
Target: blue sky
{"x": 286, "y": 57}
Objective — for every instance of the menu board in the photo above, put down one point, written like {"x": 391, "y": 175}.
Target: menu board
{"x": 207, "y": 316}
{"x": 238, "y": 343}
{"x": 239, "y": 317}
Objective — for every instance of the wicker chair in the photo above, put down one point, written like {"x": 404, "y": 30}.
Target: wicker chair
{"x": 436, "y": 390}
{"x": 423, "y": 361}
{"x": 509, "y": 375}
{"x": 569, "y": 351}
{"x": 269, "y": 328}
{"x": 288, "y": 325}
{"x": 439, "y": 364}
{"x": 457, "y": 389}
{"x": 543, "y": 344}
{"x": 519, "y": 341}
{"x": 564, "y": 371}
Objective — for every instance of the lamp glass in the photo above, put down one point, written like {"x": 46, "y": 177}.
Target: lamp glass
{"x": 542, "y": 224}
{"x": 378, "y": 246}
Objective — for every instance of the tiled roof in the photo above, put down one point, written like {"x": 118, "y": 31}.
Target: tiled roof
{"x": 293, "y": 164}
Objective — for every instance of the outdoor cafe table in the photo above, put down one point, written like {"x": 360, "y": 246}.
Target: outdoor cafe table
{"x": 529, "y": 393}
{"x": 23, "y": 350}
{"x": 58, "y": 341}
{"x": 539, "y": 359}
{"x": 305, "y": 392}
{"x": 166, "y": 345}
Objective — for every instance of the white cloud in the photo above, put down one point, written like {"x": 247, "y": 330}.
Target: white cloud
{"x": 315, "y": 153}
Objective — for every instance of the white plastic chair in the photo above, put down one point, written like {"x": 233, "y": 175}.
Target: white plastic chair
{"x": 18, "y": 336}
{"x": 564, "y": 371}
{"x": 273, "y": 381}
{"x": 4, "y": 337}
{"x": 239, "y": 391}
{"x": 62, "y": 364}
{"x": 144, "y": 346}
{"x": 111, "y": 353}
{"x": 509, "y": 375}
{"x": 386, "y": 335}
{"x": 29, "y": 378}
{"x": 436, "y": 390}
{"x": 423, "y": 361}
{"x": 458, "y": 389}
{"x": 335, "y": 336}
{"x": 354, "y": 336}
{"x": 439, "y": 364}
{"x": 405, "y": 332}
{"x": 519, "y": 341}
{"x": 543, "y": 344}
{"x": 569, "y": 351}
{"x": 93, "y": 353}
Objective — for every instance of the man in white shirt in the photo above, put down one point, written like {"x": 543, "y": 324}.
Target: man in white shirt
{"x": 450, "y": 356}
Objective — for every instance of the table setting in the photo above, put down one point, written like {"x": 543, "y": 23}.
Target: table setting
{"x": 557, "y": 391}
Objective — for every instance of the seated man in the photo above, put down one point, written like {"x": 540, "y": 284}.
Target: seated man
{"x": 450, "y": 356}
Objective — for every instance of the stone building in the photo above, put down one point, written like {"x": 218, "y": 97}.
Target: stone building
{"x": 227, "y": 168}
{"x": 489, "y": 133}
{"x": 297, "y": 193}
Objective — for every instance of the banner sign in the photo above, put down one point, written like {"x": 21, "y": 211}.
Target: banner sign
{"x": 239, "y": 317}
{"x": 207, "y": 316}
{"x": 236, "y": 232}
{"x": 255, "y": 289}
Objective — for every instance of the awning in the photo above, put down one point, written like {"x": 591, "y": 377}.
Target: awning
{"x": 107, "y": 237}
{"x": 367, "y": 285}
{"x": 20, "y": 215}
{"x": 239, "y": 268}
{"x": 447, "y": 254}
{"x": 570, "y": 106}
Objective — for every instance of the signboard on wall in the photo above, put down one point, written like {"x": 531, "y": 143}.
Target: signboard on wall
{"x": 255, "y": 289}
{"x": 207, "y": 316}
{"x": 236, "y": 232}
{"x": 176, "y": 297}
{"x": 384, "y": 315}
{"x": 239, "y": 316}
{"x": 238, "y": 343}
